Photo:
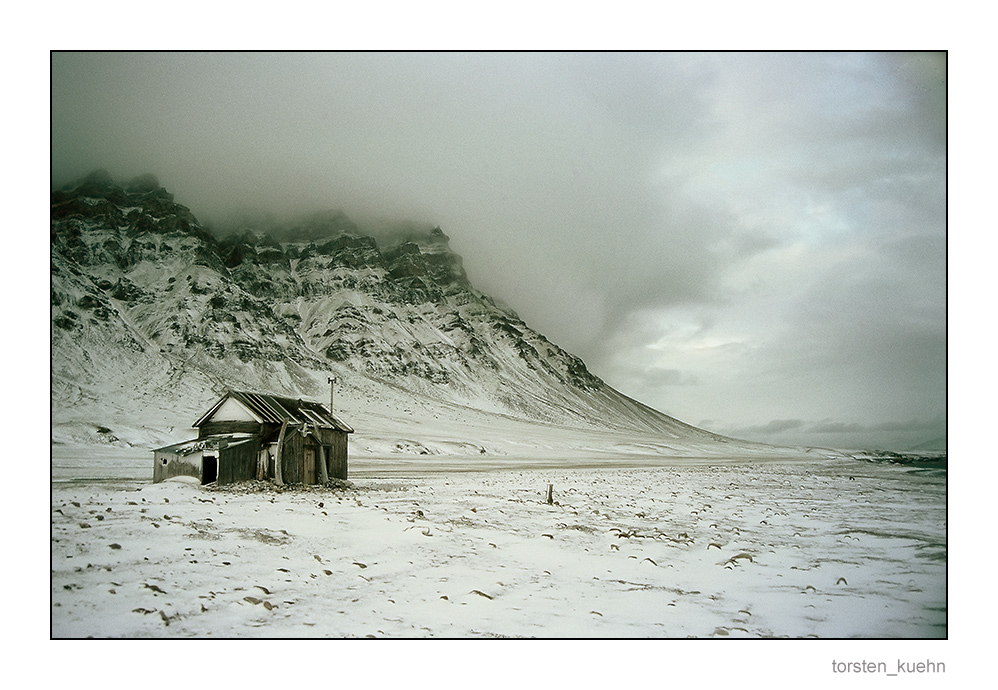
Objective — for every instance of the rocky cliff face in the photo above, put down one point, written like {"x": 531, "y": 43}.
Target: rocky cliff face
{"x": 152, "y": 316}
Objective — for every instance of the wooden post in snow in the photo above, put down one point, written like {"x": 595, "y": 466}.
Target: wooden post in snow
{"x": 278, "y": 474}
{"x": 332, "y": 382}
{"x": 550, "y": 494}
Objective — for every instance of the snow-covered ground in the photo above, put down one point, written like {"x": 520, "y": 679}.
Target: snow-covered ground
{"x": 451, "y": 548}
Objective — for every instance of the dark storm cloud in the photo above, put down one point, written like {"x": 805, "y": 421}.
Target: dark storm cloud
{"x": 542, "y": 160}
{"x": 741, "y": 237}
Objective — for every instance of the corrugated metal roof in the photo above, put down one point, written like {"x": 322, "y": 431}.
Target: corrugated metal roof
{"x": 274, "y": 409}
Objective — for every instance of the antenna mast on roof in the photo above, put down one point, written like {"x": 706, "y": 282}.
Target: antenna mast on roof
{"x": 332, "y": 381}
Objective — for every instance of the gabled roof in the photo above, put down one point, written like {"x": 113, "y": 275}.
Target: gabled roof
{"x": 273, "y": 409}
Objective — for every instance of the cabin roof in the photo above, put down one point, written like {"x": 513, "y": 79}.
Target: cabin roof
{"x": 274, "y": 409}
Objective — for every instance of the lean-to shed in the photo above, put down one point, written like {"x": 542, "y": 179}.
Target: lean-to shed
{"x": 259, "y": 436}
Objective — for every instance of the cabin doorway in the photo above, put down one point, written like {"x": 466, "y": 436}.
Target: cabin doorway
{"x": 310, "y": 464}
{"x": 209, "y": 469}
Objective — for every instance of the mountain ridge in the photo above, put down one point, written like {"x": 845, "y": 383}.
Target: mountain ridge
{"x": 153, "y": 316}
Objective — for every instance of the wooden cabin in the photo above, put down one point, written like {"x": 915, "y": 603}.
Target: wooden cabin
{"x": 257, "y": 436}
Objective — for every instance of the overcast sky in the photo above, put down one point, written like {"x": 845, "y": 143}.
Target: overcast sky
{"x": 753, "y": 243}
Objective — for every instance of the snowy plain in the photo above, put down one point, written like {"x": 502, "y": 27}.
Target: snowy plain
{"x": 458, "y": 547}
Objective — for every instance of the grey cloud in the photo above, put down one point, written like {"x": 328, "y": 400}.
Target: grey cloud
{"x": 668, "y": 377}
{"x": 836, "y": 428}
{"x": 906, "y": 435}
{"x": 912, "y": 425}
{"x": 776, "y": 426}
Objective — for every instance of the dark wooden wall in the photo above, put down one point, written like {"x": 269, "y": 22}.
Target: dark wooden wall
{"x": 293, "y": 455}
{"x": 209, "y": 428}
{"x": 337, "y": 460}
{"x": 336, "y": 452}
{"x": 238, "y": 463}
{"x": 293, "y": 458}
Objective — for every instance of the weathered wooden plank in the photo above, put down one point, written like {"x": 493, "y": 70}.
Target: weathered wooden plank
{"x": 294, "y": 461}
{"x": 227, "y": 427}
{"x": 323, "y": 473}
{"x": 278, "y": 473}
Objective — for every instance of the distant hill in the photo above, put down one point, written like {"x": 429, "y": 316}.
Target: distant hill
{"x": 936, "y": 444}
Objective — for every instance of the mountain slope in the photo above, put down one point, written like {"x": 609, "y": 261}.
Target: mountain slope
{"x": 153, "y": 317}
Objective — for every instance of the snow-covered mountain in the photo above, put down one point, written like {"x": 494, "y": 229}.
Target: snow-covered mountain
{"x": 153, "y": 317}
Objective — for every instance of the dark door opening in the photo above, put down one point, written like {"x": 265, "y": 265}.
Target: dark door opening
{"x": 209, "y": 469}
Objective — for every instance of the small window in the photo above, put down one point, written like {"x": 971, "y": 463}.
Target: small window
{"x": 164, "y": 461}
